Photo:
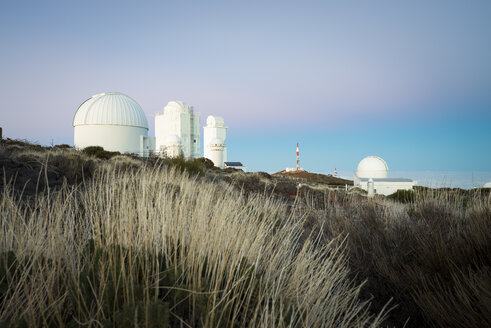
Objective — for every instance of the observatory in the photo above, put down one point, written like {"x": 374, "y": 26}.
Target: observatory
{"x": 214, "y": 136}
{"x": 373, "y": 171}
{"x": 178, "y": 120}
{"x": 113, "y": 121}
{"x": 116, "y": 122}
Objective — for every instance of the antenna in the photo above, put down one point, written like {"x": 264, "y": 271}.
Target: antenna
{"x": 298, "y": 159}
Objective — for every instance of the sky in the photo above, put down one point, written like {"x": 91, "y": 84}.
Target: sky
{"x": 409, "y": 81}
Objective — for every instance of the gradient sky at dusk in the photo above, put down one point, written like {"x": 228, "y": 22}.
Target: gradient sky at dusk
{"x": 408, "y": 81}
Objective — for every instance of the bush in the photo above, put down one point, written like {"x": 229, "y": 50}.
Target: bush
{"x": 403, "y": 196}
{"x": 99, "y": 152}
{"x": 205, "y": 162}
{"x": 191, "y": 166}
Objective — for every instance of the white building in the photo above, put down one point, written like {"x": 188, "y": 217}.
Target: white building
{"x": 235, "y": 165}
{"x": 178, "y": 120}
{"x": 214, "y": 136}
{"x": 375, "y": 169}
{"x": 113, "y": 121}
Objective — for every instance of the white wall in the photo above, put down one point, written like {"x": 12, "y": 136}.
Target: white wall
{"x": 125, "y": 139}
{"x": 212, "y": 131}
{"x": 387, "y": 188}
{"x": 183, "y": 124}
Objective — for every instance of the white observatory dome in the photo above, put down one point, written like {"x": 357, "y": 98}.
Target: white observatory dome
{"x": 111, "y": 120}
{"x": 487, "y": 185}
{"x": 110, "y": 108}
{"x": 372, "y": 167}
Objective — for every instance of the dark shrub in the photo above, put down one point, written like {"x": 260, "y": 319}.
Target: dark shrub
{"x": 205, "y": 162}
{"x": 192, "y": 166}
{"x": 403, "y": 196}
{"x": 99, "y": 152}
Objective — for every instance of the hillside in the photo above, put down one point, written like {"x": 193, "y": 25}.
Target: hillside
{"x": 128, "y": 241}
{"x": 315, "y": 178}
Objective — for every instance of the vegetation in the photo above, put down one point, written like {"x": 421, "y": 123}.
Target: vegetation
{"x": 173, "y": 243}
{"x": 99, "y": 152}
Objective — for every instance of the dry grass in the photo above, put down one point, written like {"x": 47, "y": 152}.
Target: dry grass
{"x": 432, "y": 255}
{"x": 153, "y": 247}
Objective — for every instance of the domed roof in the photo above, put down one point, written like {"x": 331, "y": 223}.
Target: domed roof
{"x": 487, "y": 185}
{"x": 214, "y": 121}
{"x": 172, "y": 140}
{"x": 176, "y": 107}
{"x": 110, "y": 108}
{"x": 372, "y": 167}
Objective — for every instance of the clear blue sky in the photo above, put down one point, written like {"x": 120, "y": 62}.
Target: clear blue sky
{"x": 409, "y": 81}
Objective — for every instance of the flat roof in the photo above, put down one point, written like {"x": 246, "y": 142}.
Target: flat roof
{"x": 233, "y": 164}
{"x": 388, "y": 180}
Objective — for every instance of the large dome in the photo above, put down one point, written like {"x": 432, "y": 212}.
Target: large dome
{"x": 110, "y": 108}
{"x": 372, "y": 167}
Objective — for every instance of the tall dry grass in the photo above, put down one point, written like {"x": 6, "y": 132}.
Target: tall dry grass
{"x": 153, "y": 247}
{"x": 433, "y": 255}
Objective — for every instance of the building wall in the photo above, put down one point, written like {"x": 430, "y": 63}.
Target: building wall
{"x": 195, "y": 139}
{"x": 387, "y": 188}
{"x": 211, "y": 132}
{"x": 216, "y": 154}
{"x": 125, "y": 139}
{"x": 185, "y": 125}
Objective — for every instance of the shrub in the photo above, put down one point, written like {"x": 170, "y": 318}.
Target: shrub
{"x": 99, "y": 152}
{"x": 403, "y": 196}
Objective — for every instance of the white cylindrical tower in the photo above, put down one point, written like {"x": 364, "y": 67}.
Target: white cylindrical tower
{"x": 370, "y": 188}
{"x": 215, "y": 131}
{"x": 111, "y": 120}
{"x": 216, "y": 149}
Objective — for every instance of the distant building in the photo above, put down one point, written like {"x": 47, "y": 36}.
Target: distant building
{"x": 487, "y": 185}
{"x": 113, "y": 121}
{"x": 116, "y": 122}
{"x": 214, "y": 136}
{"x": 235, "y": 165}
{"x": 178, "y": 123}
{"x": 374, "y": 171}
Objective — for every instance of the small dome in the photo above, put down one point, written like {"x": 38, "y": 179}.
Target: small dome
{"x": 487, "y": 185}
{"x": 372, "y": 167}
{"x": 214, "y": 121}
{"x": 172, "y": 140}
{"x": 176, "y": 107}
{"x": 110, "y": 108}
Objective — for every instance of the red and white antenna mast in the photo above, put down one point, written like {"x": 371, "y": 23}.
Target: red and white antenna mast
{"x": 298, "y": 159}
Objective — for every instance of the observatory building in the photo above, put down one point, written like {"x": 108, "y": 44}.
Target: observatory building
{"x": 177, "y": 131}
{"x": 214, "y": 135}
{"x": 116, "y": 122}
{"x": 113, "y": 121}
{"x": 372, "y": 171}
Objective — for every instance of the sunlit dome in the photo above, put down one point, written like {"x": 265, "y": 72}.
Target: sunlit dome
{"x": 372, "y": 167}
{"x": 110, "y": 108}
{"x": 176, "y": 107}
{"x": 487, "y": 185}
